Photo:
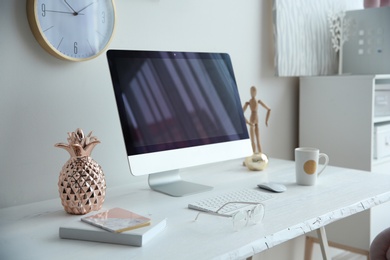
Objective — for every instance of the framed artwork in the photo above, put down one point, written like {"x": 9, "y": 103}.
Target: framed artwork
{"x": 302, "y": 37}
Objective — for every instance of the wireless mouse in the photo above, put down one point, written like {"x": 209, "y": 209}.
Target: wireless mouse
{"x": 272, "y": 186}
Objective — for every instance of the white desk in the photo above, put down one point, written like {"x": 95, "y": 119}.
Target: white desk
{"x": 31, "y": 231}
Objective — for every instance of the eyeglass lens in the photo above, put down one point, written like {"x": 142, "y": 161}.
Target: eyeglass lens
{"x": 241, "y": 219}
{"x": 257, "y": 214}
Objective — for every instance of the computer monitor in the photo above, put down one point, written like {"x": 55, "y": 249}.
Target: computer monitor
{"x": 177, "y": 110}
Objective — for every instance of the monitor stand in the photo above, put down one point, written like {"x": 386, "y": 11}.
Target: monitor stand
{"x": 170, "y": 183}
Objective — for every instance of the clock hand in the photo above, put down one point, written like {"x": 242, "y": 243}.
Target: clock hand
{"x": 74, "y": 11}
{"x": 85, "y": 7}
{"x": 62, "y": 12}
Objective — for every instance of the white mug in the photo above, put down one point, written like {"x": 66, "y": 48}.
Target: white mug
{"x": 306, "y": 165}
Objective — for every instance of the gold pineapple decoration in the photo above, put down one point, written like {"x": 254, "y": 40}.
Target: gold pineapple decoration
{"x": 81, "y": 184}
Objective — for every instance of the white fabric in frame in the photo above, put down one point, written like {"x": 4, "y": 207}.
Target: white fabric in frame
{"x": 302, "y": 37}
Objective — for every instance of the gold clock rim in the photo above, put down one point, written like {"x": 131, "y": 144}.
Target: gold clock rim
{"x": 47, "y": 46}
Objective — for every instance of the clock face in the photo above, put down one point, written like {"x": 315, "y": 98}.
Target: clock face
{"x": 72, "y": 29}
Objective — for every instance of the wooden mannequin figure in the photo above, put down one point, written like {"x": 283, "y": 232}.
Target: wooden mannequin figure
{"x": 253, "y": 121}
{"x": 258, "y": 161}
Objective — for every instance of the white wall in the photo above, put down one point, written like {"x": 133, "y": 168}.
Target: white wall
{"x": 42, "y": 98}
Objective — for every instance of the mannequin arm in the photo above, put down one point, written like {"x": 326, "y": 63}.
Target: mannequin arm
{"x": 268, "y": 111}
{"x": 244, "y": 108}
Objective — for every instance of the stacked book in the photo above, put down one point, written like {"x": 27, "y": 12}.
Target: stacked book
{"x": 117, "y": 226}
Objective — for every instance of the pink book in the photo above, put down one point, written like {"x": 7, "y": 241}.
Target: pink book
{"x": 117, "y": 220}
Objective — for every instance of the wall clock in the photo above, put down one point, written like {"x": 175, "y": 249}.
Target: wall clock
{"x": 74, "y": 30}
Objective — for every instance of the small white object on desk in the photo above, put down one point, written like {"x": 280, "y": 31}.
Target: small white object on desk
{"x": 272, "y": 186}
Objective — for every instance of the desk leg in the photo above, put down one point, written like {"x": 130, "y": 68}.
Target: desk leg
{"x": 323, "y": 243}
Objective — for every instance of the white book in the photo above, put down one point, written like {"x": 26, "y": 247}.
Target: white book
{"x": 137, "y": 237}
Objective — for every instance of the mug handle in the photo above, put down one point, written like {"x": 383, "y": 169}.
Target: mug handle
{"x": 325, "y": 164}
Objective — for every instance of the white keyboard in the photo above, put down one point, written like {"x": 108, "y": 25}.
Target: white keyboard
{"x": 245, "y": 195}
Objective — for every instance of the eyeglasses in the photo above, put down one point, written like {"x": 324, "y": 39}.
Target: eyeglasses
{"x": 240, "y": 218}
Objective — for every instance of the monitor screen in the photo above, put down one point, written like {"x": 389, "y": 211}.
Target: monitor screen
{"x": 173, "y": 101}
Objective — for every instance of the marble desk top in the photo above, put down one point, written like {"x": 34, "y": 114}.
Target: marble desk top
{"x": 31, "y": 231}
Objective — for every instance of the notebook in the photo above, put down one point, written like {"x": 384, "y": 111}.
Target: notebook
{"x": 137, "y": 237}
{"x": 117, "y": 220}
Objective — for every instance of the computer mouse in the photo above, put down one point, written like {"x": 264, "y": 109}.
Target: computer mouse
{"x": 272, "y": 186}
